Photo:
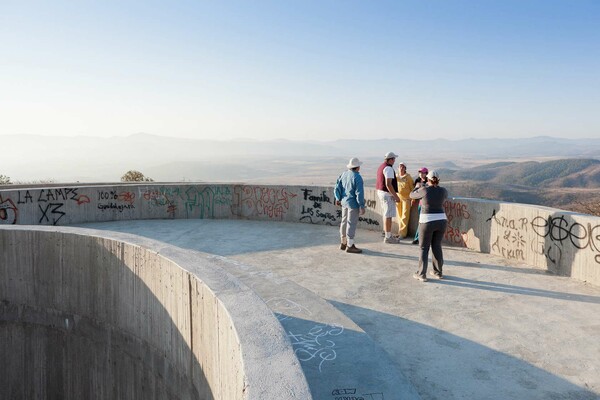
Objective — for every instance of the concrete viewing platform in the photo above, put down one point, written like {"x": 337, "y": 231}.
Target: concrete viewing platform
{"x": 492, "y": 329}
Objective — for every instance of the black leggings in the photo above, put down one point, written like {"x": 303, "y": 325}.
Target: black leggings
{"x": 431, "y": 235}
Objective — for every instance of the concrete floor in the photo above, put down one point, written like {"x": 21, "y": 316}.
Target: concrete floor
{"x": 490, "y": 330}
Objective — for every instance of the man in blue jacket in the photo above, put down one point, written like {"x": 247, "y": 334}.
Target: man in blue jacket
{"x": 350, "y": 194}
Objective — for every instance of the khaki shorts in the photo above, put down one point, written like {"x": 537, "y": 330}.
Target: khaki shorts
{"x": 387, "y": 204}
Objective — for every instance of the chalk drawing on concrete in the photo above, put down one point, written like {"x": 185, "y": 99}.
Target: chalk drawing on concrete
{"x": 316, "y": 344}
{"x": 283, "y": 307}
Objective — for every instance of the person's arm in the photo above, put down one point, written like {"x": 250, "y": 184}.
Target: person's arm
{"x": 360, "y": 194}
{"x": 410, "y": 183}
{"x": 418, "y": 193}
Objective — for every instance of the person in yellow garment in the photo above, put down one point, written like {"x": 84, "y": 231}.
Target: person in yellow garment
{"x": 405, "y": 186}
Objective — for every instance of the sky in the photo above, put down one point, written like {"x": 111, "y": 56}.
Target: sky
{"x": 301, "y": 70}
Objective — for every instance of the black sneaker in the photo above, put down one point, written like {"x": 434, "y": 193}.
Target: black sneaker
{"x": 342, "y": 246}
{"x": 353, "y": 249}
{"x": 415, "y": 241}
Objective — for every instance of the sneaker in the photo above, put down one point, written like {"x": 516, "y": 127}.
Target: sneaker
{"x": 391, "y": 240}
{"x": 415, "y": 241}
{"x": 342, "y": 246}
{"x": 420, "y": 278}
{"x": 353, "y": 249}
{"x": 437, "y": 276}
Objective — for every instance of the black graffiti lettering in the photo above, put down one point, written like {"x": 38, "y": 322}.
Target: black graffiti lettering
{"x": 321, "y": 198}
{"x": 371, "y": 203}
{"x": 308, "y": 211}
{"x": 368, "y": 221}
{"x": 26, "y": 199}
{"x": 40, "y": 196}
{"x": 325, "y": 216}
{"x": 115, "y": 206}
{"x": 54, "y": 209}
{"x": 515, "y": 254}
{"x": 337, "y": 392}
{"x": 73, "y": 193}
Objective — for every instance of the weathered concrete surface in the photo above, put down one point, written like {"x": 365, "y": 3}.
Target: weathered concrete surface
{"x": 493, "y": 329}
{"x": 96, "y": 315}
{"x": 558, "y": 241}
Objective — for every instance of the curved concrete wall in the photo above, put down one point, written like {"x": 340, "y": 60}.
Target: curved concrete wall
{"x": 561, "y": 242}
{"x": 95, "y": 315}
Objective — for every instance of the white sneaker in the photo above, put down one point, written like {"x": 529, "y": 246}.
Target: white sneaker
{"x": 391, "y": 240}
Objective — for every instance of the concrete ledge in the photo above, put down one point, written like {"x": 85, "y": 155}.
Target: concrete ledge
{"x": 558, "y": 241}
{"x": 91, "y": 314}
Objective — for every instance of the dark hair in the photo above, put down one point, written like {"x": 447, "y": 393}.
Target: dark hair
{"x": 434, "y": 180}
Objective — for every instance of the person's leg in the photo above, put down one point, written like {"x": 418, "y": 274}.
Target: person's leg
{"x": 352, "y": 223}
{"x": 343, "y": 228}
{"x": 399, "y": 215}
{"x": 390, "y": 213}
{"x": 404, "y": 215}
{"x": 382, "y": 201}
{"x": 416, "y": 240}
{"x": 436, "y": 246}
{"x": 425, "y": 233}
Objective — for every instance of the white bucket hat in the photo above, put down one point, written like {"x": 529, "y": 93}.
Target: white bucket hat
{"x": 433, "y": 174}
{"x": 390, "y": 155}
{"x": 354, "y": 162}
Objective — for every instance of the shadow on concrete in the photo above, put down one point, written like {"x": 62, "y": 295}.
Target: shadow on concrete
{"x": 89, "y": 356}
{"x": 513, "y": 289}
{"x": 495, "y": 267}
{"x": 341, "y": 363}
{"x": 453, "y": 367}
{"x": 390, "y": 255}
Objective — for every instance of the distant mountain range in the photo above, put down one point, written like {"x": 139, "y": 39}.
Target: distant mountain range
{"x": 92, "y": 159}
{"x": 571, "y": 173}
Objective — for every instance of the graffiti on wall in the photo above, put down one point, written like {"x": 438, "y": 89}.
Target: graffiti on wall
{"x": 201, "y": 201}
{"x": 557, "y": 232}
{"x": 312, "y": 208}
{"x": 113, "y": 200}
{"x": 50, "y": 202}
{"x": 8, "y": 211}
{"x": 456, "y": 212}
{"x": 257, "y": 201}
{"x": 164, "y": 197}
{"x": 511, "y": 241}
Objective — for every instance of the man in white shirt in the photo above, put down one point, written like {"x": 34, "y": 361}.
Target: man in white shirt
{"x": 387, "y": 189}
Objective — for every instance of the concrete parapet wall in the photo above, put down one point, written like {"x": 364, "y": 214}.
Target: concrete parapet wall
{"x": 562, "y": 242}
{"x": 95, "y": 315}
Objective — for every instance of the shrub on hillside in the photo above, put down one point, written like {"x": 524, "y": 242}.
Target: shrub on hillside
{"x": 5, "y": 180}
{"x": 135, "y": 176}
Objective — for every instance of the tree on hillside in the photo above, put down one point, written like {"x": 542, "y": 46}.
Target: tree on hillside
{"x": 5, "y": 180}
{"x": 135, "y": 176}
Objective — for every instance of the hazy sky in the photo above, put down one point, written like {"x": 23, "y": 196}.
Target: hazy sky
{"x": 318, "y": 70}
